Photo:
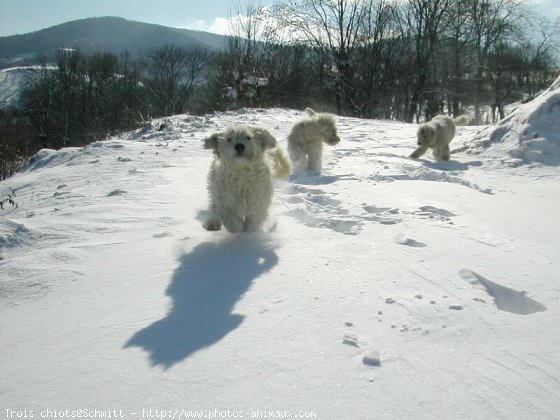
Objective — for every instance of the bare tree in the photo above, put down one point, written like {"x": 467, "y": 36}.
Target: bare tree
{"x": 456, "y": 56}
{"x": 332, "y": 29}
{"x": 492, "y": 21}
{"x": 69, "y": 77}
{"x": 539, "y": 44}
{"x": 422, "y": 23}
{"x": 243, "y": 70}
{"x": 376, "y": 59}
{"x": 171, "y": 73}
{"x": 504, "y": 65}
{"x": 38, "y": 98}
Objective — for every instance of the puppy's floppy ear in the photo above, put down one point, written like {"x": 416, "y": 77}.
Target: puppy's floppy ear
{"x": 211, "y": 142}
{"x": 267, "y": 140}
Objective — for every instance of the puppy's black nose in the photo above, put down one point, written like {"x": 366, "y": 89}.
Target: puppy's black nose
{"x": 239, "y": 147}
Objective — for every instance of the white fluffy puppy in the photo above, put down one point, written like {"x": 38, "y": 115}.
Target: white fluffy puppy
{"x": 305, "y": 142}
{"x": 240, "y": 179}
{"x": 436, "y": 135}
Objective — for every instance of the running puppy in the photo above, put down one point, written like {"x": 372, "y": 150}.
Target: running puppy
{"x": 305, "y": 142}
{"x": 240, "y": 179}
{"x": 436, "y": 135}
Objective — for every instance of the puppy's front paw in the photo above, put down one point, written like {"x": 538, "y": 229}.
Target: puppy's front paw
{"x": 417, "y": 154}
{"x": 212, "y": 225}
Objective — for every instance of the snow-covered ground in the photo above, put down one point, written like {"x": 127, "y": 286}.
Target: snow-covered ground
{"x": 112, "y": 296}
{"x": 10, "y": 84}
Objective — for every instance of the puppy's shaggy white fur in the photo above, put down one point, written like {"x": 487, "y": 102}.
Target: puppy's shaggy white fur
{"x": 305, "y": 142}
{"x": 240, "y": 179}
{"x": 436, "y": 135}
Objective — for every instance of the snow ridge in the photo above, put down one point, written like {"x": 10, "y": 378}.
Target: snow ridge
{"x": 530, "y": 134}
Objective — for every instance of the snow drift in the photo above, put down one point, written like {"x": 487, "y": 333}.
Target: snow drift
{"x": 530, "y": 134}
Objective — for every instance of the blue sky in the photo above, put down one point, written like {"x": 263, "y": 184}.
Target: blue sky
{"x": 21, "y": 16}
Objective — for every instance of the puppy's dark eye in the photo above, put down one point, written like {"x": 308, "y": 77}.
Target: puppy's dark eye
{"x": 229, "y": 139}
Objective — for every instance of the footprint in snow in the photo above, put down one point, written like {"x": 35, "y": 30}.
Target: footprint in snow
{"x": 350, "y": 339}
{"x": 409, "y": 242}
{"x": 383, "y": 215}
{"x": 348, "y": 226}
{"x": 162, "y": 235}
{"x": 311, "y": 178}
{"x": 116, "y": 192}
{"x": 114, "y": 145}
{"x": 58, "y": 194}
{"x": 425, "y": 173}
{"x": 313, "y": 195}
{"x": 434, "y": 213}
{"x": 372, "y": 359}
{"x": 316, "y": 209}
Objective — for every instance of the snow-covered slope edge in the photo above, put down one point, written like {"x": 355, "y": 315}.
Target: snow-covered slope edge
{"x": 530, "y": 134}
{"x": 10, "y": 84}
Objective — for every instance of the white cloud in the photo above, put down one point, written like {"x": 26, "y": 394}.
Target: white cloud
{"x": 549, "y": 8}
{"x": 227, "y": 25}
{"x": 198, "y": 25}
{"x": 220, "y": 25}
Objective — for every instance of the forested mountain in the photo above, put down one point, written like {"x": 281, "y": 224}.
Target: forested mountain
{"x": 108, "y": 34}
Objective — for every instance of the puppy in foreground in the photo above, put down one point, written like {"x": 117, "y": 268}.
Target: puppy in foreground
{"x": 436, "y": 135}
{"x": 240, "y": 180}
{"x": 305, "y": 142}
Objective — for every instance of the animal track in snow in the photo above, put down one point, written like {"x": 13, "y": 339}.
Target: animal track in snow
{"x": 414, "y": 173}
{"x": 162, "y": 235}
{"x": 350, "y": 339}
{"x": 315, "y": 200}
{"x": 430, "y": 212}
{"x": 112, "y": 145}
{"x": 409, "y": 242}
{"x": 314, "y": 208}
{"x": 506, "y": 299}
{"x": 348, "y": 152}
{"x": 116, "y": 192}
{"x": 435, "y": 210}
{"x": 383, "y": 215}
{"x": 347, "y": 226}
{"x": 308, "y": 178}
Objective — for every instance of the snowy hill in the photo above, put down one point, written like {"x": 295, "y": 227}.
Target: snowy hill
{"x": 11, "y": 83}
{"x": 112, "y": 296}
{"x": 529, "y": 134}
{"x": 10, "y": 80}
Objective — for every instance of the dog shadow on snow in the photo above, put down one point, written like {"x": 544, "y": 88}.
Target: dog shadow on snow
{"x": 204, "y": 289}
